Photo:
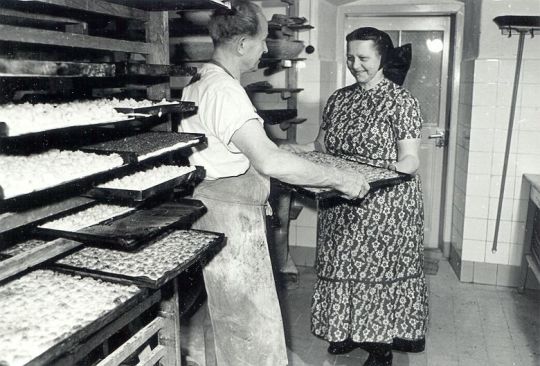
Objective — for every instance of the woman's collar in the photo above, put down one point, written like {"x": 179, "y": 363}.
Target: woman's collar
{"x": 376, "y": 80}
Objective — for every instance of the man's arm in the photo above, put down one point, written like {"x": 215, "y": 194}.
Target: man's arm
{"x": 272, "y": 161}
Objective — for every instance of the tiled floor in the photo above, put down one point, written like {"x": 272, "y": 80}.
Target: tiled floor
{"x": 470, "y": 324}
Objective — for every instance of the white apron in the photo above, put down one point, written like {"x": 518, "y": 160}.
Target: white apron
{"x": 242, "y": 299}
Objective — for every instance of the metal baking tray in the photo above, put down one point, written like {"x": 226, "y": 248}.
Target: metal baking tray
{"x": 164, "y": 260}
{"x": 120, "y": 122}
{"x": 160, "y": 109}
{"x": 388, "y": 178}
{"x": 136, "y": 148}
{"x": 58, "y": 190}
{"x": 114, "y": 194}
{"x": 132, "y": 230}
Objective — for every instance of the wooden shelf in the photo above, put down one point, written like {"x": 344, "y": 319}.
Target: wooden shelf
{"x": 288, "y": 29}
{"x": 163, "y": 5}
{"x": 26, "y": 18}
{"x": 290, "y": 122}
{"x": 272, "y": 90}
{"x": 276, "y": 116}
{"x": 99, "y": 7}
{"x": 55, "y": 38}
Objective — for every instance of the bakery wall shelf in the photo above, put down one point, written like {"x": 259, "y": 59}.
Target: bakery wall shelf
{"x": 277, "y": 116}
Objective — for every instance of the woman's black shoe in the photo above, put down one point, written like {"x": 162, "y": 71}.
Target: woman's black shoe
{"x": 379, "y": 360}
{"x": 339, "y": 348}
{"x": 404, "y": 345}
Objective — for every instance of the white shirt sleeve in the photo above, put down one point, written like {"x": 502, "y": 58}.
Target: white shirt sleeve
{"x": 226, "y": 109}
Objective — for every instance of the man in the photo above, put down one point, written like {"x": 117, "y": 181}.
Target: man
{"x": 239, "y": 159}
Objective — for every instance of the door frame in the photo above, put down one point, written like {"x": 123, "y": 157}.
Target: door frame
{"x": 455, "y": 10}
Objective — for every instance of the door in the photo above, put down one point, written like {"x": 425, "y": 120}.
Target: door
{"x": 427, "y": 80}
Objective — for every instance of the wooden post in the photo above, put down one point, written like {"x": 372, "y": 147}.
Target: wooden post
{"x": 157, "y": 33}
{"x": 169, "y": 335}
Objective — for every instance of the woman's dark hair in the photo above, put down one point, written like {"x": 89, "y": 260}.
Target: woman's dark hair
{"x": 383, "y": 42}
{"x": 241, "y": 19}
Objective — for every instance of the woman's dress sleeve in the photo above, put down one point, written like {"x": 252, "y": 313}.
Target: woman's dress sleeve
{"x": 408, "y": 119}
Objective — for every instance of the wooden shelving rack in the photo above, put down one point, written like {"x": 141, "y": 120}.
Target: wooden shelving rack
{"x": 91, "y": 48}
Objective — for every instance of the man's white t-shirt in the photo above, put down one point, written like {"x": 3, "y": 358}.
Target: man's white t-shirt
{"x": 223, "y": 107}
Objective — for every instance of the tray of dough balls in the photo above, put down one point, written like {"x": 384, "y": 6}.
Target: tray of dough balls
{"x": 23, "y": 174}
{"x": 157, "y": 108}
{"x": 123, "y": 228}
{"x": 145, "y": 184}
{"x": 46, "y": 312}
{"x": 146, "y": 145}
{"x": 27, "y": 118}
{"x": 377, "y": 177}
{"x": 151, "y": 266}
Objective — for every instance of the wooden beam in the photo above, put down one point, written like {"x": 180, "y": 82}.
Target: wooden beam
{"x": 83, "y": 348}
{"x": 169, "y": 335}
{"x": 131, "y": 345}
{"x": 157, "y": 354}
{"x": 37, "y": 18}
{"x": 157, "y": 33}
{"x": 99, "y": 7}
{"x": 55, "y": 38}
{"x": 35, "y": 256}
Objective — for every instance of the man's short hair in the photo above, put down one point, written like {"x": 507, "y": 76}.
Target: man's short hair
{"x": 240, "y": 20}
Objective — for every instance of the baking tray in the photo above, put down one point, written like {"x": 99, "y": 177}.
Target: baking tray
{"x": 117, "y": 194}
{"x": 381, "y": 177}
{"x": 67, "y": 322}
{"x": 35, "y": 215}
{"x": 160, "y": 109}
{"x": 160, "y": 260}
{"x": 124, "y": 121}
{"x": 146, "y": 145}
{"x": 130, "y": 231}
{"x": 57, "y": 187}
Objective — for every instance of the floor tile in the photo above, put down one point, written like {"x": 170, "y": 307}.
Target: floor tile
{"x": 470, "y": 325}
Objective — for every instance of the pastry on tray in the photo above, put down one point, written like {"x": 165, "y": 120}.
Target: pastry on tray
{"x": 22, "y": 174}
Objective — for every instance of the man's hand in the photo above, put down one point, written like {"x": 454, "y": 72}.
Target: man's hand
{"x": 353, "y": 185}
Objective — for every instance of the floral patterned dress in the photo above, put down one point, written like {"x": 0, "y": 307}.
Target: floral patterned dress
{"x": 371, "y": 285}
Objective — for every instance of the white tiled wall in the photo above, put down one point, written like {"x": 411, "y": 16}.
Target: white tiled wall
{"x": 319, "y": 79}
{"x": 489, "y": 119}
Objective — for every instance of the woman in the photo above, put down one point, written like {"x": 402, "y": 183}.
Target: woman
{"x": 371, "y": 290}
{"x": 239, "y": 159}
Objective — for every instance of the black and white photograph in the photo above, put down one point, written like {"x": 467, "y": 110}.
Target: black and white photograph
{"x": 269, "y": 182}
